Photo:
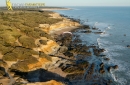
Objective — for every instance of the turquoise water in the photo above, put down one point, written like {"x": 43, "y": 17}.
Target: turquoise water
{"x": 115, "y": 24}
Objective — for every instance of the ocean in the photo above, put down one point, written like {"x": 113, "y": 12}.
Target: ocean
{"x": 114, "y": 22}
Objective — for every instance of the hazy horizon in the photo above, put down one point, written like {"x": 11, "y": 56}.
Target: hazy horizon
{"x": 74, "y": 3}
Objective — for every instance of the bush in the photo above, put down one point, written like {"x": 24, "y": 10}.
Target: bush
{"x": 27, "y": 42}
{"x": 10, "y": 57}
{"x": 24, "y": 53}
{"x": 23, "y": 65}
{"x": 5, "y": 49}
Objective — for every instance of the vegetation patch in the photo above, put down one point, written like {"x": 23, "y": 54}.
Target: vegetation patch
{"x": 43, "y": 55}
{"x": 18, "y": 32}
{"x": 19, "y": 53}
{"x": 23, "y": 65}
{"x": 27, "y": 42}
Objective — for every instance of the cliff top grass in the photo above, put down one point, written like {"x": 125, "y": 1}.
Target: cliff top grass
{"x": 23, "y": 26}
{"x": 18, "y": 32}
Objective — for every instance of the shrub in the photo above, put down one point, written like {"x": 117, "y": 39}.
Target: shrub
{"x": 27, "y": 42}
{"x": 10, "y": 57}
{"x": 5, "y": 49}
{"x": 23, "y": 65}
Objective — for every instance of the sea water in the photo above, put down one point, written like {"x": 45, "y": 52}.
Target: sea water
{"x": 114, "y": 22}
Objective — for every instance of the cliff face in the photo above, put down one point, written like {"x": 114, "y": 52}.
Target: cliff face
{"x": 26, "y": 48}
{"x": 60, "y": 25}
{"x": 50, "y": 48}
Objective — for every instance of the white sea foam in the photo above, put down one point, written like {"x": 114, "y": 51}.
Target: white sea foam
{"x": 122, "y": 81}
{"x": 113, "y": 76}
{"x": 104, "y": 34}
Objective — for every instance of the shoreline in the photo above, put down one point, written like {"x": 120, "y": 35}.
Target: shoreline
{"x": 68, "y": 62}
{"x": 51, "y": 9}
{"x": 98, "y": 52}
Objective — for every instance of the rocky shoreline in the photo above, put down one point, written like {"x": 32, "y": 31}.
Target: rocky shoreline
{"x": 59, "y": 58}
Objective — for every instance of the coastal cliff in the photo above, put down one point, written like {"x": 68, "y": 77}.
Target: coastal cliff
{"x": 27, "y": 45}
{"x": 45, "y": 48}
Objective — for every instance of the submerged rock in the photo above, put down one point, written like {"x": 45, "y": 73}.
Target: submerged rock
{"x": 109, "y": 69}
{"x": 94, "y": 28}
{"x": 128, "y": 46}
{"x": 98, "y": 32}
{"x": 115, "y": 67}
{"x": 86, "y": 27}
{"x": 107, "y": 59}
{"x": 98, "y": 51}
{"x": 102, "y": 65}
{"x": 101, "y": 70}
{"x": 112, "y": 67}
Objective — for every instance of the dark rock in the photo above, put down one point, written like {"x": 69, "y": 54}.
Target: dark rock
{"x": 2, "y": 71}
{"x": 68, "y": 54}
{"x": 66, "y": 40}
{"x": 76, "y": 68}
{"x": 86, "y": 27}
{"x": 102, "y": 56}
{"x": 102, "y": 65}
{"x": 87, "y": 31}
{"x": 98, "y": 51}
{"x": 112, "y": 67}
{"x": 43, "y": 42}
{"x": 128, "y": 46}
{"x": 101, "y": 50}
{"x": 92, "y": 47}
{"x": 76, "y": 40}
{"x": 90, "y": 72}
{"x": 73, "y": 69}
{"x": 110, "y": 81}
{"x": 83, "y": 64}
{"x": 98, "y": 32}
{"x": 109, "y": 69}
{"x": 107, "y": 59}
{"x": 115, "y": 67}
{"x": 41, "y": 10}
{"x": 63, "y": 49}
{"x": 101, "y": 70}
{"x": 94, "y": 28}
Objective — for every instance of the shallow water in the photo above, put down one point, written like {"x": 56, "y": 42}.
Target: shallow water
{"x": 114, "y": 22}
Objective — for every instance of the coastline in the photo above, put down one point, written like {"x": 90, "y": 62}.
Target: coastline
{"x": 101, "y": 67}
{"x": 64, "y": 63}
{"x": 51, "y": 9}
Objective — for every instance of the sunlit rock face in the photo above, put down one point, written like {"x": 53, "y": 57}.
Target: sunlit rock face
{"x": 51, "y": 47}
{"x": 60, "y": 25}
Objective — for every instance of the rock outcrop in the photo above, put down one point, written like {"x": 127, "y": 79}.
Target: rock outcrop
{"x": 58, "y": 26}
{"x": 51, "y": 47}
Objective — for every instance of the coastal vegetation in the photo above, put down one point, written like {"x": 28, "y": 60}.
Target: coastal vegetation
{"x": 18, "y": 32}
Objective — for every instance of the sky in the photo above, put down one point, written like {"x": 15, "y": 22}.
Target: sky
{"x": 73, "y": 2}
